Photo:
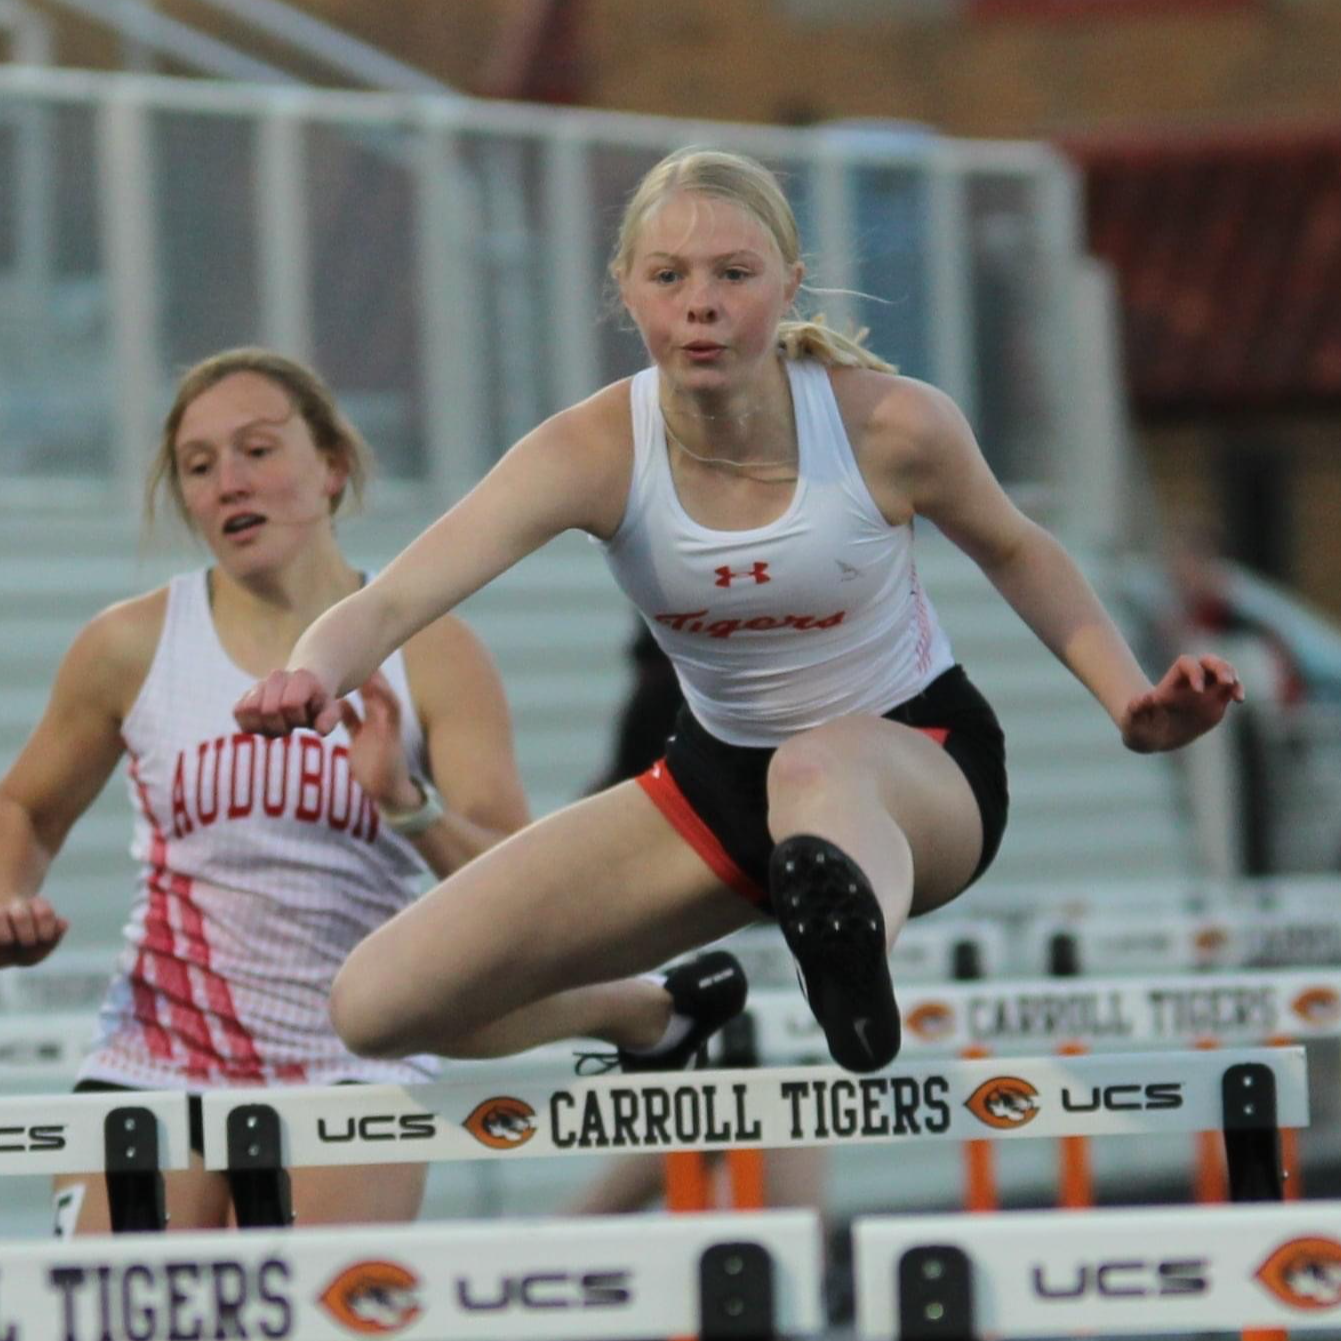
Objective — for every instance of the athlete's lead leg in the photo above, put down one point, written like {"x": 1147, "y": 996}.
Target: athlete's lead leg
{"x": 871, "y": 820}
{"x": 537, "y": 939}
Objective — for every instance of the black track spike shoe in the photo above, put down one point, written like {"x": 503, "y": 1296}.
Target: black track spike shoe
{"x": 835, "y": 930}
{"x": 710, "y": 990}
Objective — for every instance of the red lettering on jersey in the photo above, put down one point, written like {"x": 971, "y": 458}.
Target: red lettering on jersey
{"x": 334, "y": 791}
{"x": 237, "y": 773}
{"x": 678, "y": 622}
{"x": 276, "y": 808}
{"x": 693, "y": 621}
{"x": 726, "y": 574}
{"x": 325, "y": 786}
{"x": 368, "y": 817}
{"x": 208, "y": 816}
{"x": 310, "y": 761}
{"x": 723, "y": 628}
{"x": 181, "y": 816}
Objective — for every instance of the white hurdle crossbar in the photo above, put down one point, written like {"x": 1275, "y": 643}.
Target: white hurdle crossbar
{"x": 131, "y": 1137}
{"x": 83, "y": 1133}
{"x": 714, "y": 1276}
{"x": 1041, "y": 1274}
{"x": 512, "y": 1118}
{"x": 1174, "y": 1010}
{"x": 1170, "y": 941}
{"x": 1248, "y": 1093}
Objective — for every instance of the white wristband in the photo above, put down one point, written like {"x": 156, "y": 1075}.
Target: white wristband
{"x": 409, "y": 823}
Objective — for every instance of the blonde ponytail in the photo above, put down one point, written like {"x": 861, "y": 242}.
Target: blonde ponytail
{"x": 814, "y": 339}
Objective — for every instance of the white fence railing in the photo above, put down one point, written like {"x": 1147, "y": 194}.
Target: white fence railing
{"x": 443, "y": 261}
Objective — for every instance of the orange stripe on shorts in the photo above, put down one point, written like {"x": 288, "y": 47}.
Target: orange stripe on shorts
{"x": 666, "y": 795}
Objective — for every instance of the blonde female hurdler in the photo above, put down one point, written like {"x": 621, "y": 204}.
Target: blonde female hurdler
{"x": 754, "y": 492}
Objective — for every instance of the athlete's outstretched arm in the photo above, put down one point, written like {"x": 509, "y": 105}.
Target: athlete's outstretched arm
{"x": 63, "y": 766}
{"x": 457, "y": 695}
{"x": 572, "y": 471}
{"x": 941, "y": 471}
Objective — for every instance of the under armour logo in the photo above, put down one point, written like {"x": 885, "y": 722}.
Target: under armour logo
{"x": 726, "y": 574}
{"x": 846, "y": 572}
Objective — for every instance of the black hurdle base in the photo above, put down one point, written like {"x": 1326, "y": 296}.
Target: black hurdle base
{"x": 935, "y": 1282}
{"x": 1252, "y": 1133}
{"x": 131, "y": 1169}
{"x": 735, "y": 1292}
{"x": 935, "y": 1292}
{"x": 259, "y": 1182}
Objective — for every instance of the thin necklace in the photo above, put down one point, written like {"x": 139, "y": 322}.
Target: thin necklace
{"x": 726, "y": 460}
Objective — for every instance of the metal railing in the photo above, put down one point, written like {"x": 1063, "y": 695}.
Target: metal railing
{"x": 443, "y": 261}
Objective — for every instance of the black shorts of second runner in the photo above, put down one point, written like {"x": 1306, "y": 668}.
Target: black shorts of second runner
{"x": 716, "y": 794}
{"x": 195, "y": 1112}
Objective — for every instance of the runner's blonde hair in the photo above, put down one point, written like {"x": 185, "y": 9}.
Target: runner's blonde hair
{"x": 750, "y": 185}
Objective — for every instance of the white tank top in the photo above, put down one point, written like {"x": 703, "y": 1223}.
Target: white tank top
{"x": 777, "y": 629}
{"x": 263, "y": 863}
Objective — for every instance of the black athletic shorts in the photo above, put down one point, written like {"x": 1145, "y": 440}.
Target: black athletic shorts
{"x": 194, "y": 1110}
{"x": 716, "y": 796}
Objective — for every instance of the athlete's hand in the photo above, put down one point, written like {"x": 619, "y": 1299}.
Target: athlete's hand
{"x": 286, "y": 700}
{"x": 29, "y": 931}
{"x": 1193, "y": 696}
{"x": 376, "y": 753}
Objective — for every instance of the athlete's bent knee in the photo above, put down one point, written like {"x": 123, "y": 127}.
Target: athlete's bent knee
{"x": 364, "y": 1024}
{"x": 803, "y": 763}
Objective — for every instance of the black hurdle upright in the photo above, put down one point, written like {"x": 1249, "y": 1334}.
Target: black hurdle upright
{"x": 738, "y": 1044}
{"x": 935, "y": 1290}
{"x": 1252, "y": 1133}
{"x": 257, "y": 1179}
{"x": 936, "y": 1283}
{"x": 131, "y": 1169}
{"x": 735, "y": 1293}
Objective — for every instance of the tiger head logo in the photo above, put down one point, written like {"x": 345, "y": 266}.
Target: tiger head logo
{"x": 1004, "y": 1102}
{"x": 1319, "y": 1006}
{"x": 502, "y": 1123}
{"x": 373, "y": 1298}
{"x": 1305, "y": 1274}
{"x": 932, "y": 1021}
{"x": 1209, "y": 940}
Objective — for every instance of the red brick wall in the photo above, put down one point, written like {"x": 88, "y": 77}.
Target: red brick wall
{"x": 756, "y": 60}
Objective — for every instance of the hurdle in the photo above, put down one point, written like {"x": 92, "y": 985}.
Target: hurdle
{"x": 1216, "y": 940}
{"x": 131, "y": 1138}
{"x": 1038, "y": 1274}
{"x": 1100, "y": 1014}
{"x": 1246, "y": 1093}
{"x": 719, "y": 1277}
{"x": 1107, "y": 1015}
